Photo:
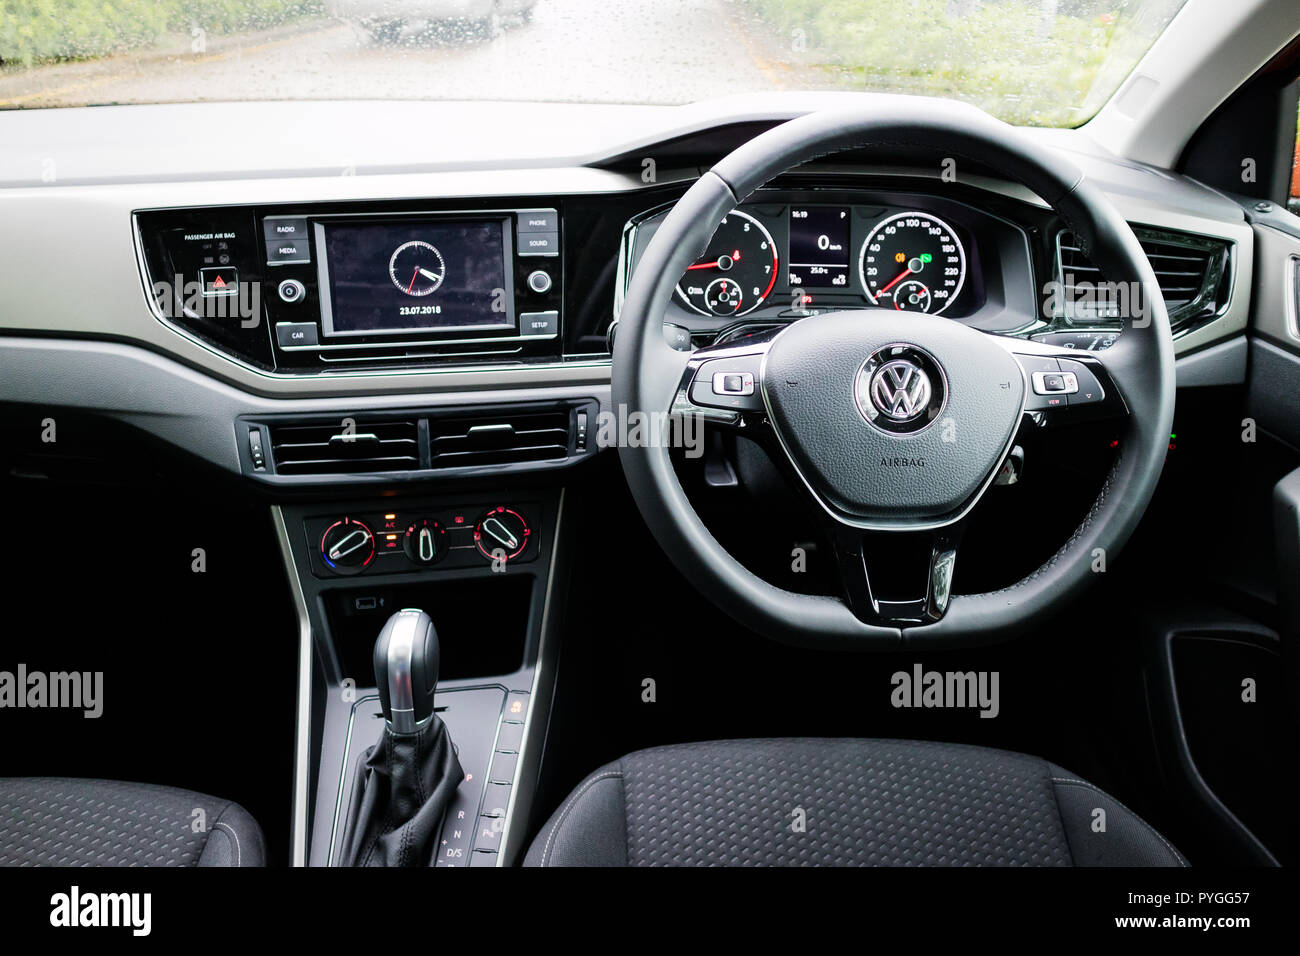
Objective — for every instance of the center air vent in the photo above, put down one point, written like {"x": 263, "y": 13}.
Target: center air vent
{"x": 509, "y": 436}
{"x": 1192, "y": 272}
{"x": 347, "y": 446}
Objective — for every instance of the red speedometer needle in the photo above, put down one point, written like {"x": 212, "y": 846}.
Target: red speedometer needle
{"x": 894, "y": 281}
{"x": 416, "y": 274}
{"x": 705, "y": 265}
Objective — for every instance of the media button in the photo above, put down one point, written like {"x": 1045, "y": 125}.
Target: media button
{"x": 281, "y": 252}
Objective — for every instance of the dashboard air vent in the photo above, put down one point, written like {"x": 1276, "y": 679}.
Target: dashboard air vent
{"x": 1190, "y": 269}
{"x": 495, "y": 438}
{"x": 337, "y": 447}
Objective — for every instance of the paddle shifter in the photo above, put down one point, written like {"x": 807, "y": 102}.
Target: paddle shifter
{"x": 405, "y": 782}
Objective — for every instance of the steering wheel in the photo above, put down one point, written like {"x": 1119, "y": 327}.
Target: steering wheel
{"x": 893, "y": 423}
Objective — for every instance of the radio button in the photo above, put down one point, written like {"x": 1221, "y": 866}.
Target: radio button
{"x": 277, "y": 230}
{"x": 291, "y": 334}
{"x": 539, "y": 244}
{"x": 539, "y": 220}
{"x": 539, "y": 325}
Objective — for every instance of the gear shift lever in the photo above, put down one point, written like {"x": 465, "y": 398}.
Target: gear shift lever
{"x": 406, "y": 669}
{"x": 405, "y": 782}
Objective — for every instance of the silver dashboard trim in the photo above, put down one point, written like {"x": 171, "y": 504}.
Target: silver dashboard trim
{"x": 302, "y": 725}
{"x": 542, "y": 672}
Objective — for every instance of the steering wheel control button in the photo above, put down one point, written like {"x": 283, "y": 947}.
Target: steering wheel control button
{"x": 1055, "y": 383}
{"x": 733, "y": 383}
{"x": 296, "y": 334}
{"x": 539, "y": 281}
{"x": 539, "y": 325}
{"x": 900, "y": 389}
{"x": 678, "y": 338}
{"x": 291, "y": 291}
{"x": 728, "y": 383}
{"x": 1087, "y": 389}
{"x": 1037, "y": 368}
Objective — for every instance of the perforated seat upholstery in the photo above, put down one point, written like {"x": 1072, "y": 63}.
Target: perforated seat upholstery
{"x": 808, "y": 802}
{"x": 55, "y": 821}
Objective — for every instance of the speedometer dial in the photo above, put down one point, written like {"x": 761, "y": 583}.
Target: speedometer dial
{"x": 912, "y": 262}
{"x": 737, "y": 271}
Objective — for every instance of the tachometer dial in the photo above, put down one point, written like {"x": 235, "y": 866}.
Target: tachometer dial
{"x": 416, "y": 267}
{"x": 737, "y": 271}
{"x": 912, "y": 262}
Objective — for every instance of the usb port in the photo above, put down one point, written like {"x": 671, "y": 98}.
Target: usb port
{"x": 366, "y": 604}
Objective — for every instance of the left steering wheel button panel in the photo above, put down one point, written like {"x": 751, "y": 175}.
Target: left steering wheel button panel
{"x": 728, "y": 383}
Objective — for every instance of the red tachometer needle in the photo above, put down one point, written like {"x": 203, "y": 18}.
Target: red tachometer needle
{"x": 716, "y": 263}
{"x": 416, "y": 274}
{"x": 894, "y": 281}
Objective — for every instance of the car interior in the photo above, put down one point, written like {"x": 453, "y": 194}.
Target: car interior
{"x": 795, "y": 476}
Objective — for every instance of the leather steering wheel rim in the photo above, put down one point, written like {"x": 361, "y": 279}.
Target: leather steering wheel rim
{"x": 647, "y": 372}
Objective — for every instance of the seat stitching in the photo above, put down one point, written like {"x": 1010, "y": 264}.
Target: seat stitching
{"x": 1156, "y": 833}
{"x": 233, "y": 836}
{"x": 569, "y": 806}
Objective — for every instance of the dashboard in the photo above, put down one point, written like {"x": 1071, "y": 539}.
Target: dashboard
{"x": 210, "y": 296}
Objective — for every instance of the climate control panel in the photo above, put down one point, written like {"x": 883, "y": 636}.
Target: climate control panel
{"x": 420, "y": 538}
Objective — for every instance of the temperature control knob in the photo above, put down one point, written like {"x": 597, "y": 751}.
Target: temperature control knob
{"x": 502, "y": 534}
{"x": 425, "y": 541}
{"x": 347, "y": 546}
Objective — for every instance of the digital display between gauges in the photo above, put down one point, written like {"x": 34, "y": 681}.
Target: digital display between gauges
{"x": 737, "y": 271}
{"x": 819, "y": 247}
{"x": 912, "y": 262}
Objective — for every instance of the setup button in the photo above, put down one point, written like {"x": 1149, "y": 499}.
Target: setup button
{"x": 540, "y": 325}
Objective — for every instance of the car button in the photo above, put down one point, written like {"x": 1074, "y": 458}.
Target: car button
{"x": 291, "y": 334}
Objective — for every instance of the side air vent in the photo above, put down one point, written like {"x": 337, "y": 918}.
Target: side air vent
{"x": 339, "y": 447}
{"x": 1192, "y": 272}
{"x": 496, "y": 438}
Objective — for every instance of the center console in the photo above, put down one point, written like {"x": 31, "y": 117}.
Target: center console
{"x": 483, "y": 568}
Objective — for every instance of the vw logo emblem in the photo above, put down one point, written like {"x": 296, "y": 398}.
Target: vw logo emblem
{"x": 900, "y": 389}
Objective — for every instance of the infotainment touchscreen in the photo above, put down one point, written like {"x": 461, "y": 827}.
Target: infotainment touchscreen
{"x": 383, "y": 278}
